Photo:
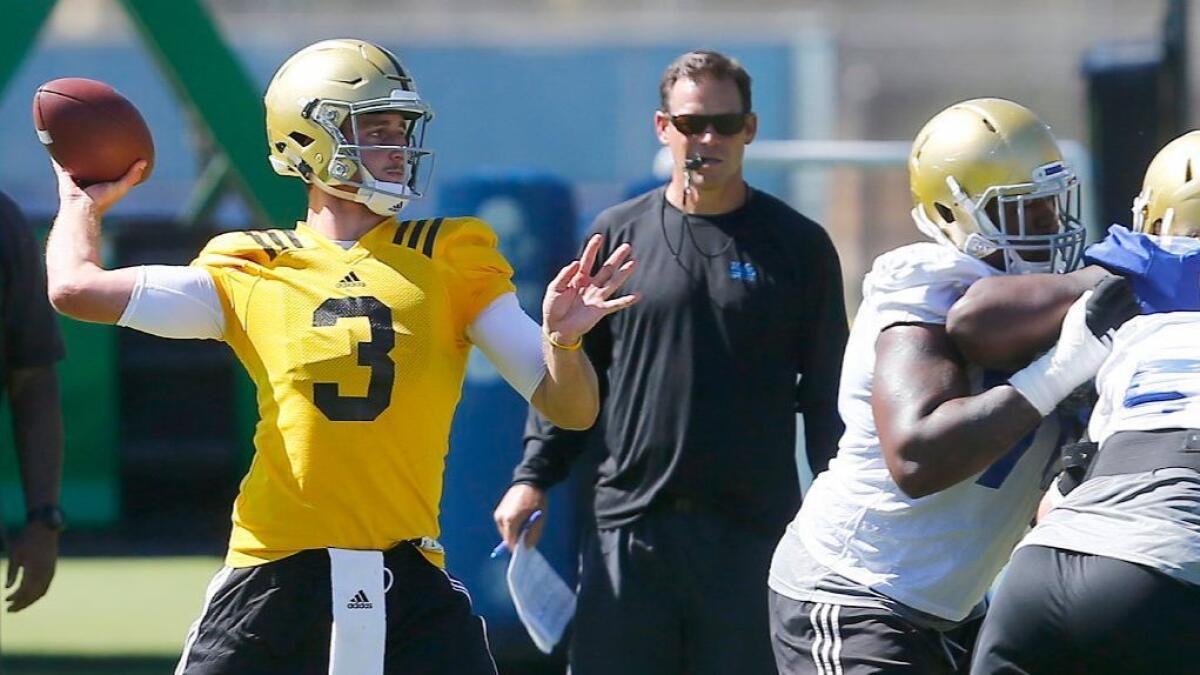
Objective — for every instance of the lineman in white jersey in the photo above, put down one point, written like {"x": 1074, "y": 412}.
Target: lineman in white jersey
{"x": 1109, "y": 580}
{"x": 939, "y": 470}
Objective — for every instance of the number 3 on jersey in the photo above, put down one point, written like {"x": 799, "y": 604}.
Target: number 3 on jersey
{"x": 373, "y": 354}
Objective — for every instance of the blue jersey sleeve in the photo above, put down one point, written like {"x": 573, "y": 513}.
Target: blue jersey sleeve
{"x": 1165, "y": 279}
{"x": 1121, "y": 252}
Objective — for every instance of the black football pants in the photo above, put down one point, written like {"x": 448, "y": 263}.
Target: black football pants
{"x": 277, "y": 618}
{"x": 1060, "y": 612}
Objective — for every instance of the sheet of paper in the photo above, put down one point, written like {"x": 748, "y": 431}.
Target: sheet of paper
{"x": 544, "y": 602}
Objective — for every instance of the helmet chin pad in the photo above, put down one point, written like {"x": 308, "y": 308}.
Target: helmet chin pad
{"x": 383, "y": 197}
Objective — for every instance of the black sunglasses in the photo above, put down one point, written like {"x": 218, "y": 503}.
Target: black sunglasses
{"x": 727, "y": 124}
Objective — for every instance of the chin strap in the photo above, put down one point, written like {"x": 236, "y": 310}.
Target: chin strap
{"x": 975, "y": 245}
{"x": 929, "y": 228}
{"x": 978, "y": 246}
{"x": 369, "y": 194}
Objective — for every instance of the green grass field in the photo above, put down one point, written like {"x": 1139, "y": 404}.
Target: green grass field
{"x": 108, "y": 615}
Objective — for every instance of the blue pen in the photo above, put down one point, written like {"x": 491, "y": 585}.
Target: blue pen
{"x": 533, "y": 518}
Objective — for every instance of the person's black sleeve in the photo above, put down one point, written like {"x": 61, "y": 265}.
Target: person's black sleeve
{"x": 31, "y": 335}
{"x": 821, "y": 353}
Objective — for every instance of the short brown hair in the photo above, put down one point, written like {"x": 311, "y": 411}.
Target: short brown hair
{"x": 702, "y": 63}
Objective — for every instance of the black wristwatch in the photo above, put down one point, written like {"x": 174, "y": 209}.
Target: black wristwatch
{"x": 49, "y": 515}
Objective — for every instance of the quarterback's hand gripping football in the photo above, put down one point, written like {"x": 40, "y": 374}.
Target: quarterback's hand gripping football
{"x": 1083, "y": 344}
{"x": 99, "y": 197}
{"x": 576, "y": 300}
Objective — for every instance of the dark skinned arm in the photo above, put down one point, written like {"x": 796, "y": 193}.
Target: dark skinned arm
{"x": 38, "y": 436}
{"x": 935, "y": 434}
{"x": 1003, "y": 322}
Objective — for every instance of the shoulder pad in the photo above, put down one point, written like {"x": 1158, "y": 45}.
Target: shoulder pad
{"x": 257, "y": 246}
{"x": 920, "y": 282}
{"x": 1164, "y": 271}
{"x": 924, "y": 264}
{"x": 435, "y": 236}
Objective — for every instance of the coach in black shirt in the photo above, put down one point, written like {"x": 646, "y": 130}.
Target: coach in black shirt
{"x": 741, "y": 296}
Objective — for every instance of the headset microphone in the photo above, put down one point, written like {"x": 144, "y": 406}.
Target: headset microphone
{"x": 694, "y": 162}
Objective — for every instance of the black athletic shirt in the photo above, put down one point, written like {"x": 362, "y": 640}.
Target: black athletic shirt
{"x": 699, "y": 379}
{"x": 29, "y": 336}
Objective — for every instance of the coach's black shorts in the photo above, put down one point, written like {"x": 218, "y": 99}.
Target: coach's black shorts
{"x": 277, "y": 618}
{"x": 813, "y": 638}
{"x": 1063, "y": 612}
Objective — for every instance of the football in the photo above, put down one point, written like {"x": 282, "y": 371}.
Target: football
{"x": 92, "y": 131}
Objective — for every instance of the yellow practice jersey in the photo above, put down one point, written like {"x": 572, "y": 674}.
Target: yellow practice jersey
{"x": 358, "y": 357}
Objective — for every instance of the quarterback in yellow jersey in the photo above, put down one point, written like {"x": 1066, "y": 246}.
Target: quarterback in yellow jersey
{"x": 355, "y": 327}
{"x": 362, "y": 350}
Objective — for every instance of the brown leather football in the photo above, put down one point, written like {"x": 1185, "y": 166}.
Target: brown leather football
{"x": 92, "y": 131}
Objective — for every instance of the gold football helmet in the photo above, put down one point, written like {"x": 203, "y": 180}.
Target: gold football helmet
{"x": 1170, "y": 200}
{"x": 979, "y": 165}
{"x": 313, "y": 108}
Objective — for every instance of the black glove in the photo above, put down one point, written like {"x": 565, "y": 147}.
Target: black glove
{"x": 1111, "y": 305}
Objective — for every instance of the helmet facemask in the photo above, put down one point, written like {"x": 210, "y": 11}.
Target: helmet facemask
{"x": 1025, "y": 250}
{"x": 348, "y": 168}
{"x": 1141, "y": 208}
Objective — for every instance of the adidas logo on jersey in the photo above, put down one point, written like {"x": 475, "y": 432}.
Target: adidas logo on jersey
{"x": 351, "y": 280}
{"x": 359, "y": 601}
